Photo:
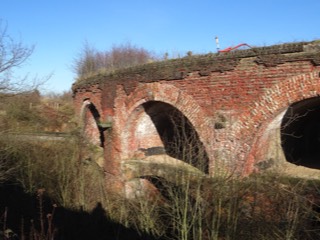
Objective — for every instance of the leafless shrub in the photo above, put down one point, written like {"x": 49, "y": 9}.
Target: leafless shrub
{"x": 13, "y": 54}
{"x": 119, "y": 56}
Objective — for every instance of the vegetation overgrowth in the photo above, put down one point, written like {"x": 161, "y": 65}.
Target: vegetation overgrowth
{"x": 52, "y": 188}
{"x": 55, "y": 190}
{"x": 90, "y": 60}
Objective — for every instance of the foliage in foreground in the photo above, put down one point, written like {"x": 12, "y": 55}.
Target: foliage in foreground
{"x": 31, "y": 112}
{"x": 54, "y": 191}
{"x": 71, "y": 186}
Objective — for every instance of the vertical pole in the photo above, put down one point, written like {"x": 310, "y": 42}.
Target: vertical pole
{"x": 217, "y": 43}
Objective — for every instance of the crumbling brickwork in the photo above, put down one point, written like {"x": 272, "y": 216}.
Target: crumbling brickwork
{"x": 228, "y": 100}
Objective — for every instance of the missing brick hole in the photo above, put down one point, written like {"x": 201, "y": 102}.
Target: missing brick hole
{"x": 221, "y": 122}
{"x": 219, "y": 125}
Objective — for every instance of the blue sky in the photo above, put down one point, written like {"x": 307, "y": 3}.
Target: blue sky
{"x": 59, "y": 28}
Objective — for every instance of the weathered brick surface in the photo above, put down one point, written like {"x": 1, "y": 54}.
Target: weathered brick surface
{"x": 241, "y": 92}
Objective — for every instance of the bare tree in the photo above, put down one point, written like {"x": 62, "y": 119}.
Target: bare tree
{"x": 12, "y": 55}
{"x": 120, "y": 56}
{"x": 127, "y": 55}
{"x": 86, "y": 62}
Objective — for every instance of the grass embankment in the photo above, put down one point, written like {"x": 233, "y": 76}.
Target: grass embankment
{"x": 52, "y": 188}
{"x": 55, "y": 189}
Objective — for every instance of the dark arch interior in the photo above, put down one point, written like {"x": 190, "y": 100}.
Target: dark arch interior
{"x": 179, "y": 137}
{"x": 165, "y": 188}
{"x": 93, "y": 110}
{"x": 300, "y": 133}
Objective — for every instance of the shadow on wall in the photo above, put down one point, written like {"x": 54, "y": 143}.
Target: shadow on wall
{"x": 180, "y": 139}
{"x": 68, "y": 224}
{"x": 96, "y": 115}
{"x": 300, "y": 133}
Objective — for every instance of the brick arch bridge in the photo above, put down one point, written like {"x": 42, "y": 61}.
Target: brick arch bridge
{"x": 239, "y": 112}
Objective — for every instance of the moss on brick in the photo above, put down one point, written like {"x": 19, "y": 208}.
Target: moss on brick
{"x": 175, "y": 69}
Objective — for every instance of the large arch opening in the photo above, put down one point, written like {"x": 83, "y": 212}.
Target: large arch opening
{"x": 300, "y": 133}
{"x": 179, "y": 138}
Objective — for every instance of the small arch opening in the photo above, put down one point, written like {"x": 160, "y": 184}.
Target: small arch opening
{"x": 300, "y": 133}
{"x": 92, "y": 123}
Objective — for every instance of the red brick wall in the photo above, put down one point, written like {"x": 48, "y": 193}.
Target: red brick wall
{"x": 82, "y": 98}
{"x": 242, "y": 93}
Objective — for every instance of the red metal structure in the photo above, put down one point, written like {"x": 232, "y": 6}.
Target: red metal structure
{"x": 233, "y": 48}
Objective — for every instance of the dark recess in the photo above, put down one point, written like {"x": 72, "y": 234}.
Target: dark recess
{"x": 300, "y": 133}
{"x": 180, "y": 139}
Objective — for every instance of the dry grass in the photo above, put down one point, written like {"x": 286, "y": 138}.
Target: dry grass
{"x": 265, "y": 206}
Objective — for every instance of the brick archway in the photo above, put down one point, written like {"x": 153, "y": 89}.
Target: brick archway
{"x": 232, "y": 101}
{"x": 136, "y": 118}
{"x": 270, "y": 108}
{"x": 90, "y": 119}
